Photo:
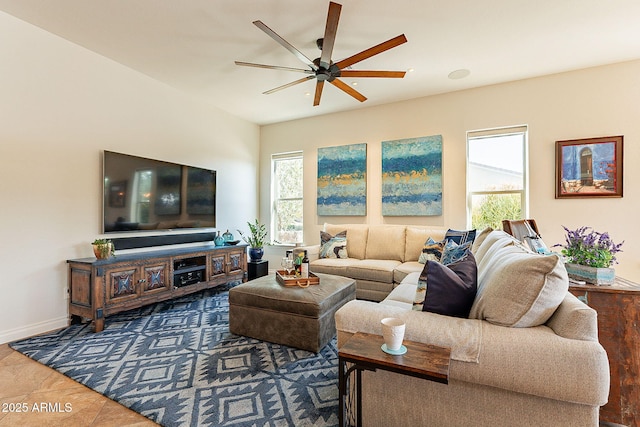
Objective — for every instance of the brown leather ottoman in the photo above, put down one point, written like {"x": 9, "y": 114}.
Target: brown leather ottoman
{"x": 297, "y": 317}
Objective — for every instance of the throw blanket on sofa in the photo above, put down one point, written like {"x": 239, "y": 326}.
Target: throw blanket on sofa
{"x": 463, "y": 336}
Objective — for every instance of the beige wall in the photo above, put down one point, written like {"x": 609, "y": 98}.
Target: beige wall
{"x": 594, "y": 102}
{"x": 61, "y": 105}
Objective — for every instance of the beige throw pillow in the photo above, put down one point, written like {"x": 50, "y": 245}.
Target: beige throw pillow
{"x": 518, "y": 288}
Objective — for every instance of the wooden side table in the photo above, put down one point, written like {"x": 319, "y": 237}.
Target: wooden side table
{"x": 618, "y": 308}
{"x": 363, "y": 351}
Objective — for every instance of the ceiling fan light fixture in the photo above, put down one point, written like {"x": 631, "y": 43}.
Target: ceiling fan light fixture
{"x": 459, "y": 74}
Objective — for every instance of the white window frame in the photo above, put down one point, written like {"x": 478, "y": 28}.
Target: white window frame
{"x": 524, "y": 193}
{"x": 275, "y": 158}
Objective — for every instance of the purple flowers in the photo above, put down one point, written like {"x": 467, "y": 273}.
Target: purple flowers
{"x": 585, "y": 246}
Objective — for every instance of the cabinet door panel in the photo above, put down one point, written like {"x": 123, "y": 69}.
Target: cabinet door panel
{"x": 121, "y": 284}
{"x": 235, "y": 262}
{"x": 218, "y": 265}
{"x": 156, "y": 278}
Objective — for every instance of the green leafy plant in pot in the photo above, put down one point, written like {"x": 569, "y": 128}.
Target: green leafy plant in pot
{"x": 103, "y": 248}
{"x": 256, "y": 239}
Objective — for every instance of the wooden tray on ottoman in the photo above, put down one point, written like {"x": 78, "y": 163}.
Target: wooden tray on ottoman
{"x": 287, "y": 280}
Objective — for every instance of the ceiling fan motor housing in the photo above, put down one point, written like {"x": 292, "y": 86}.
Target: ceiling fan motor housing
{"x": 326, "y": 74}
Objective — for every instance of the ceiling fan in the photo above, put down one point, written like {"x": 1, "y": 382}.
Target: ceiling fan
{"x": 323, "y": 69}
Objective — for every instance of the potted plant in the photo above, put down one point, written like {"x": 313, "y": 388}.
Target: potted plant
{"x": 103, "y": 248}
{"x": 589, "y": 255}
{"x": 256, "y": 239}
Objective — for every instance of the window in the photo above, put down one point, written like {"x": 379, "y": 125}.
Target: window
{"x": 286, "y": 211}
{"x": 497, "y": 183}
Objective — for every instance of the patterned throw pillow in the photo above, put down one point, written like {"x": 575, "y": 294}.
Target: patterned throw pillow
{"x": 432, "y": 251}
{"x": 460, "y": 236}
{"x": 448, "y": 289}
{"x": 453, "y": 252}
{"x": 333, "y": 246}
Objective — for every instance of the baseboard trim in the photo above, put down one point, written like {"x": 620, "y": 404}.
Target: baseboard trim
{"x": 33, "y": 329}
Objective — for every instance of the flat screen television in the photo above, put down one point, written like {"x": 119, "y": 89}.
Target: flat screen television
{"x": 142, "y": 194}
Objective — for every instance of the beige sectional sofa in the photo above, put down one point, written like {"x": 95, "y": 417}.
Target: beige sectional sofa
{"x": 528, "y": 354}
{"x": 380, "y": 256}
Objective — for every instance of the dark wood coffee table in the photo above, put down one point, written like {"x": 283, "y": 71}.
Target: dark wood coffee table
{"x": 363, "y": 351}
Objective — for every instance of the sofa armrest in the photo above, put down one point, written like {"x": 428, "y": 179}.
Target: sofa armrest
{"x": 574, "y": 319}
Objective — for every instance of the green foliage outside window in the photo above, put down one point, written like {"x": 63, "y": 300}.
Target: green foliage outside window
{"x": 491, "y": 209}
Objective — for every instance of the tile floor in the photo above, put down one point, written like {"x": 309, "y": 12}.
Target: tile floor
{"x": 52, "y": 399}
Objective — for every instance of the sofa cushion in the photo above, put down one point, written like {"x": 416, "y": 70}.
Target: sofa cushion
{"x": 357, "y": 237}
{"x": 337, "y": 266}
{"x": 402, "y": 295}
{"x": 376, "y": 270}
{"x": 494, "y": 240}
{"x": 417, "y": 236}
{"x": 518, "y": 288}
{"x": 333, "y": 246}
{"x": 386, "y": 242}
{"x": 406, "y": 268}
{"x": 479, "y": 239}
{"x": 447, "y": 289}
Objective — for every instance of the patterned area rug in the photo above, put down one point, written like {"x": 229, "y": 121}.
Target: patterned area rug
{"x": 177, "y": 364}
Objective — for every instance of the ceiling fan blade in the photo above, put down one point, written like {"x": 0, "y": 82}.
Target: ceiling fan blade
{"x": 302, "y": 80}
{"x": 316, "y": 99}
{"x": 362, "y": 73}
{"x": 348, "y": 89}
{"x": 330, "y": 30}
{"x": 368, "y": 53}
{"x": 274, "y": 67}
{"x": 285, "y": 44}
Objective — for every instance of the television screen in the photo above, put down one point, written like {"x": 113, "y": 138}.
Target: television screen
{"x": 143, "y": 194}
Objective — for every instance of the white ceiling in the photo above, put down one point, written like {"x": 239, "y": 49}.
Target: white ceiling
{"x": 192, "y": 44}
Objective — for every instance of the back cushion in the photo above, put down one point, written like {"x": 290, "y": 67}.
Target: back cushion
{"x": 491, "y": 241}
{"x": 416, "y": 238}
{"x": 386, "y": 242}
{"x": 356, "y": 237}
{"x": 518, "y": 288}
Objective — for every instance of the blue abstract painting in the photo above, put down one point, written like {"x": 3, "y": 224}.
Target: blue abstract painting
{"x": 342, "y": 180}
{"x": 412, "y": 177}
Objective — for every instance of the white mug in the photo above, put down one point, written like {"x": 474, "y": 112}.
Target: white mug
{"x": 393, "y": 332}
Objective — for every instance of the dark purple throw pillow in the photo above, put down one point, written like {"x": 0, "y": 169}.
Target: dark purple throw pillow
{"x": 450, "y": 289}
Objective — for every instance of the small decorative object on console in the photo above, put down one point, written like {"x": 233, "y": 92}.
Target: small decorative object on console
{"x": 228, "y": 237}
{"x": 589, "y": 255}
{"x": 103, "y": 248}
{"x": 219, "y": 240}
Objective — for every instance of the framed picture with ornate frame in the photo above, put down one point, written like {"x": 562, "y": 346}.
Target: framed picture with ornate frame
{"x": 589, "y": 167}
